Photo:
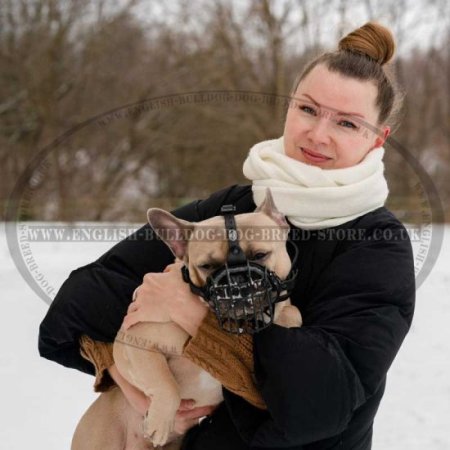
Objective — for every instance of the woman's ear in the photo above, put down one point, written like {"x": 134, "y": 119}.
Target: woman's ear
{"x": 381, "y": 138}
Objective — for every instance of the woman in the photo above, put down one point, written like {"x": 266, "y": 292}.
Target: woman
{"x": 322, "y": 383}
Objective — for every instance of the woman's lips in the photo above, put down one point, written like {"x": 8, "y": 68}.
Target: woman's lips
{"x": 314, "y": 156}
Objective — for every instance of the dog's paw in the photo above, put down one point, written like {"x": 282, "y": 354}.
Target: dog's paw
{"x": 289, "y": 317}
{"x": 158, "y": 427}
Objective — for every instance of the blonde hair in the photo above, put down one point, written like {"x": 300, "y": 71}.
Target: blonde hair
{"x": 362, "y": 55}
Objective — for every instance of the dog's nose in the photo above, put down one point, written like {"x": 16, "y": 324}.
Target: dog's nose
{"x": 240, "y": 278}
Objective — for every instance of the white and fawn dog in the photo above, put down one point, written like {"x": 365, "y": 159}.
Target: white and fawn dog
{"x": 149, "y": 355}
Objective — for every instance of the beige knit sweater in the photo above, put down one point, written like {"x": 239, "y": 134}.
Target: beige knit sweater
{"x": 227, "y": 357}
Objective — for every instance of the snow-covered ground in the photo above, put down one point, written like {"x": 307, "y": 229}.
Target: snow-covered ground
{"x": 43, "y": 401}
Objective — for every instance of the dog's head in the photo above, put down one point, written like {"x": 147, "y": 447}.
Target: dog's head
{"x": 204, "y": 247}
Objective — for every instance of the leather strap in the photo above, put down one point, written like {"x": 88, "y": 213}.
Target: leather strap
{"x": 235, "y": 253}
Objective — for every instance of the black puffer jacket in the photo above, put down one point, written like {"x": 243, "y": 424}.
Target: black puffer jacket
{"x": 323, "y": 382}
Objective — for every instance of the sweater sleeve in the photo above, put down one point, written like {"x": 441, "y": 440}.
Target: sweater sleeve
{"x": 100, "y": 355}
{"x": 227, "y": 357}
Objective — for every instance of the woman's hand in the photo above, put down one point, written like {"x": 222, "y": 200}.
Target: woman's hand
{"x": 188, "y": 416}
{"x": 164, "y": 297}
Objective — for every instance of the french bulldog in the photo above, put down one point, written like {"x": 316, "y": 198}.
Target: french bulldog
{"x": 149, "y": 354}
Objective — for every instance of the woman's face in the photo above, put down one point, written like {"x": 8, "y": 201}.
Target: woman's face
{"x": 332, "y": 121}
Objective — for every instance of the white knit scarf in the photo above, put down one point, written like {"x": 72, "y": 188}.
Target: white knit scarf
{"x": 313, "y": 198}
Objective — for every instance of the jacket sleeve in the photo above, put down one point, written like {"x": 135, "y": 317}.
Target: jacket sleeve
{"x": 94, "y": 299}
{"x": 313, "y": 378}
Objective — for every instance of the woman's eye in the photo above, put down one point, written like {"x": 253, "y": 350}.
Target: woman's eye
{"x": 347, "y": 124}
{"x": 307, "y": 109}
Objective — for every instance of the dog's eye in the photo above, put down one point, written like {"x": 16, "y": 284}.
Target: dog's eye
{"x": 260, "y": 256}
{"x": 206, "y": 266}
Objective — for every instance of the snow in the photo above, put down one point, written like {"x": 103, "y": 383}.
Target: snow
{"x": 43, "y": 401}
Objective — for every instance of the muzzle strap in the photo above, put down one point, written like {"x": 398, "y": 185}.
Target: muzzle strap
{"x": 235, "y": 253}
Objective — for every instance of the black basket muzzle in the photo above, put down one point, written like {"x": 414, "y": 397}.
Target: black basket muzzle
{"x": 243, "y": 293}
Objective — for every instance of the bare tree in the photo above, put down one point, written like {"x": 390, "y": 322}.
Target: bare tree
{"x": 175, "y": 109}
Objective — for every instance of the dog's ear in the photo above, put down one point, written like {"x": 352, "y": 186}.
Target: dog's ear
{"x": 173, "y": 231}
{"x": 268, "y": 207}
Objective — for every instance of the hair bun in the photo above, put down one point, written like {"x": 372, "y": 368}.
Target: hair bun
{"x": 372, "y": 40}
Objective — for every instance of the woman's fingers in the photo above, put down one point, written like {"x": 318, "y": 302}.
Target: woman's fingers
{"x": 129, "y": 320}
{"x": 187, "y": 418}
{"x": 196, "y": 413}
{"x": 186, "y": 404}
{"x": 132, "y": 307}
{"x": 177, "y": 265}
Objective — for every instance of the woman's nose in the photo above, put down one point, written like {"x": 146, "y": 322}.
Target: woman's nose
{"x": 319, "y": 132}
